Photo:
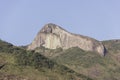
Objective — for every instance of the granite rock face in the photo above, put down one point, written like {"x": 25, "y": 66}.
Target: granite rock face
{"x": 53, "y": 36}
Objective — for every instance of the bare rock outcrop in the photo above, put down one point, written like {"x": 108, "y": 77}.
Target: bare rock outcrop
{"x": 53, "y": 36}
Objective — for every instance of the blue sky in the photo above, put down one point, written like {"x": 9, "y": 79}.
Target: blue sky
{"x": 20, "y": 20}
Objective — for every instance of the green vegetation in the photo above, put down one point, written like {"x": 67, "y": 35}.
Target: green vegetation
{"x": 92, "y": 64}
{"x": 112, "y": 45}
{"x": 18, "y": 63}
{"x": 59, "y": 64}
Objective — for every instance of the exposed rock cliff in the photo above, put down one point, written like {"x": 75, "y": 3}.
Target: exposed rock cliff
{"x": 53, "y": 36}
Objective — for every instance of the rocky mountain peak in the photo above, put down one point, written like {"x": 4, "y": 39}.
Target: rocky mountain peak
{"x": 51, "y": 28}
{"x": 53, "y": 36}
{"x": 48, "y": 28}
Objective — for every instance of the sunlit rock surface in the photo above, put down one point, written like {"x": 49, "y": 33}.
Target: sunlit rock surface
{"x": 53, "y": 36}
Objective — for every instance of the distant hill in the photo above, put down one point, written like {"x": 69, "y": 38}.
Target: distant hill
{"x": 112, "y": 45}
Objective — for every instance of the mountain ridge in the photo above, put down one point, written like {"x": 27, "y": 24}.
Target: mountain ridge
{"x": 73, "y": 63}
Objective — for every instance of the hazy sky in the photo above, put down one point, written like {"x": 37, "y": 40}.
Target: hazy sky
{"x": 20, "y": 20}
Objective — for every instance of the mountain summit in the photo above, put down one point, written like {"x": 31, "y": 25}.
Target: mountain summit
{"x": 53, "y": 36}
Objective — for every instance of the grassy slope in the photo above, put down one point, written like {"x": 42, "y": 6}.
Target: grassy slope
{"x": 87, "y": 63}
{"x": 91, "y": 64}
{"x": 17, "y": 63}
